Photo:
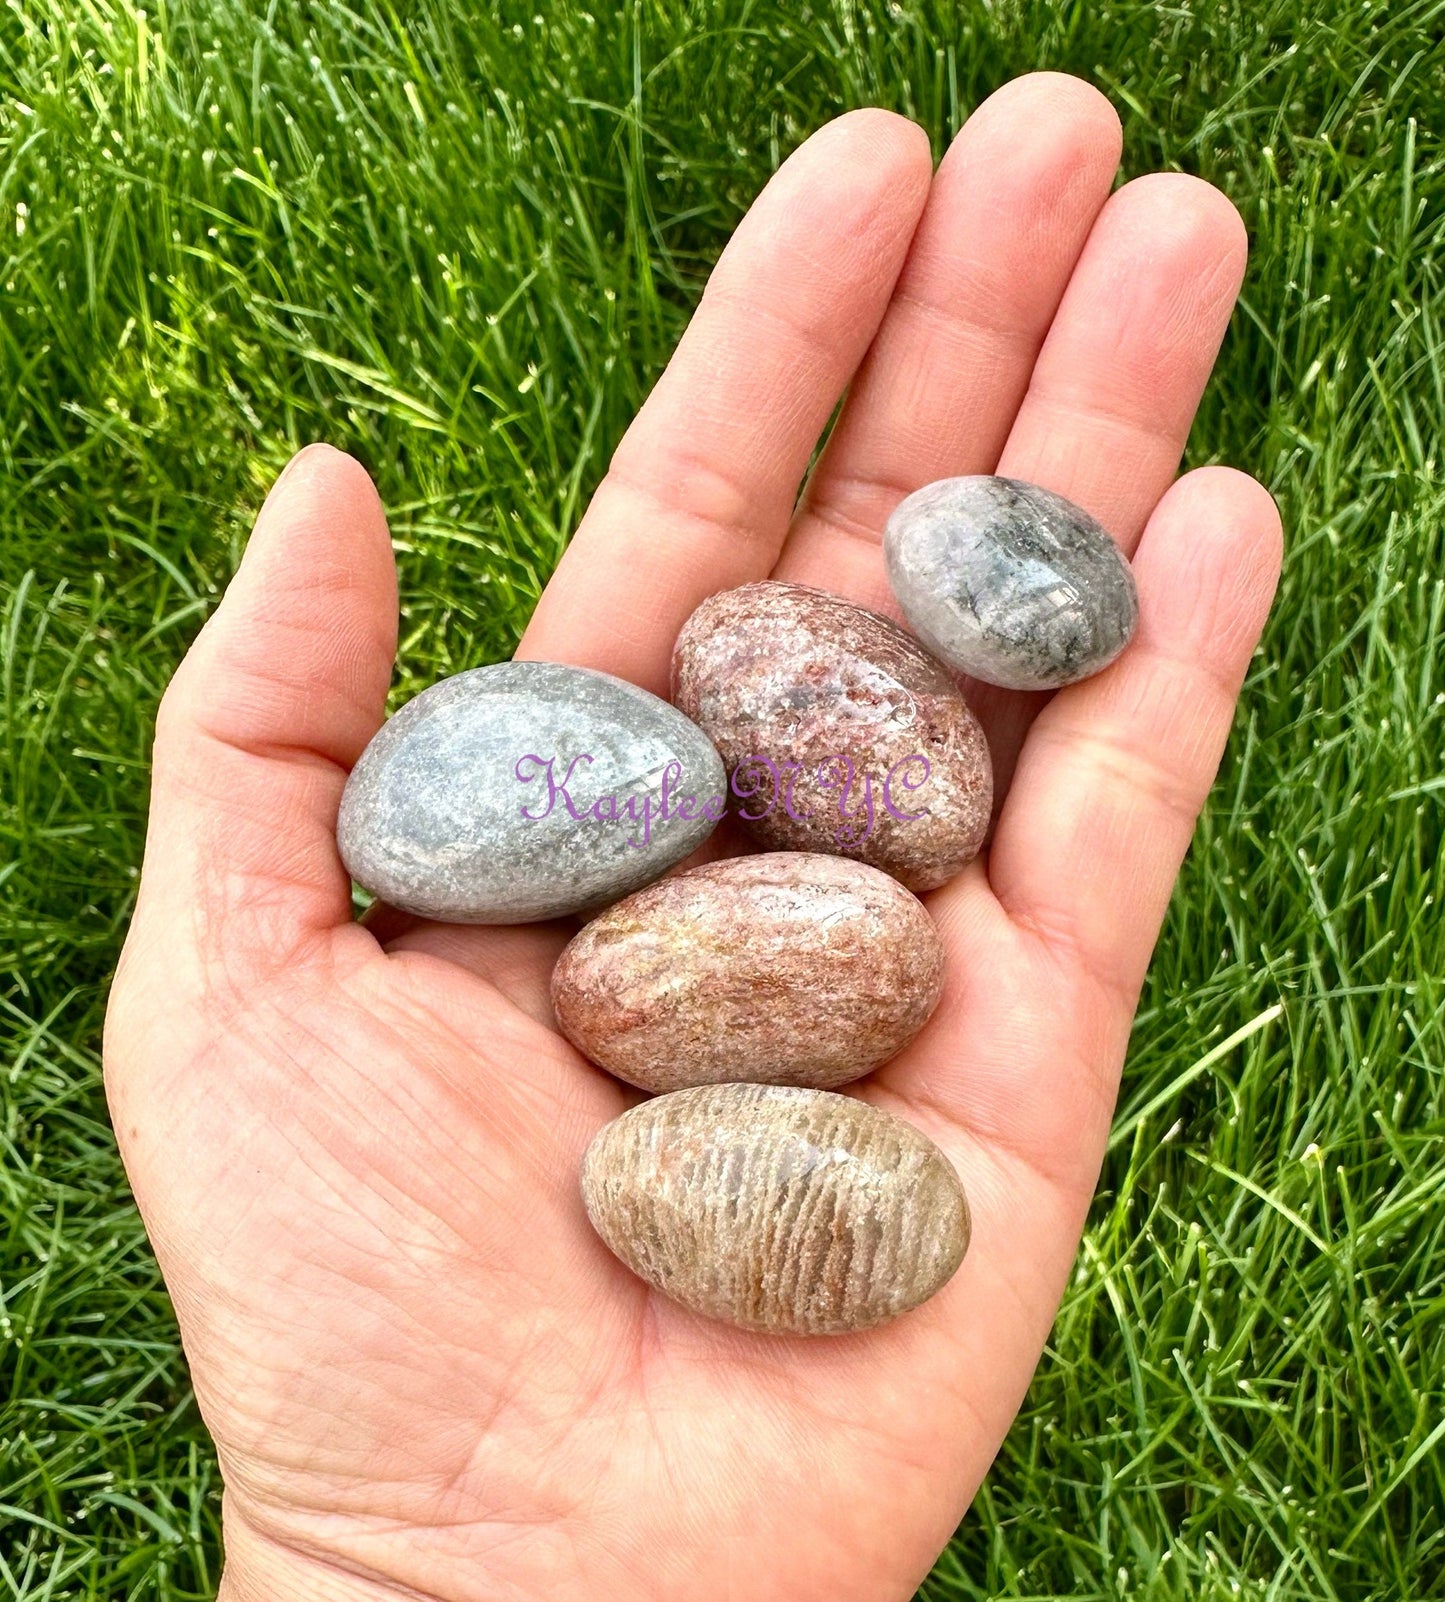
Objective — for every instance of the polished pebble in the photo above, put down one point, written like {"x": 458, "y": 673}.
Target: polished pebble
{"x": 788, "y": 968}
{"x": 850, "y": 737}
{"x": 1008, "y": 582}
{"x": 776, "y": 1208}
{"x": 452, "y": 811}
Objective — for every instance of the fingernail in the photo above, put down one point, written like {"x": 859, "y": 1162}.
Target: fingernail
{"x": 288, "y": 470}
{"x": 290, "y": 467}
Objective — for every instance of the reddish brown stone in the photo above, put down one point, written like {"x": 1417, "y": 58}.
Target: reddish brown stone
{"x": 785, "y": 968}
{"x": 829, "y": 693}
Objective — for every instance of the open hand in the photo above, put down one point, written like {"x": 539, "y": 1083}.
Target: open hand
{"x": 356, "y": 1147}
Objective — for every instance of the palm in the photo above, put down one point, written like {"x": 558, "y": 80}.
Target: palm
{"x": 357, "y": 1148}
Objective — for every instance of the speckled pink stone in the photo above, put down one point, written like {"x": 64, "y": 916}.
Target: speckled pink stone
{"x": 802, "y": 677}
{"x": 789, "y": 968}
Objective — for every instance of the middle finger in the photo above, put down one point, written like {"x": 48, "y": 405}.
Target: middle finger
{"x": 1010, "y": 209}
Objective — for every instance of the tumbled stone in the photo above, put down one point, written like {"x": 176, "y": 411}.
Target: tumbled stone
{"x": 1008, "y": 582}
{"x": 526, "y": 790}
{"x": 839, "y": 732}
{"x": 776, "y": 1208}
{"x": 788, "y": 968}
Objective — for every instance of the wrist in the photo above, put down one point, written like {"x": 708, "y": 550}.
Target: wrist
{"x": 260, "y": 1569}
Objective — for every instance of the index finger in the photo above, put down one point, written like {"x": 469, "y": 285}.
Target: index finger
{"x": 702, "y": 487}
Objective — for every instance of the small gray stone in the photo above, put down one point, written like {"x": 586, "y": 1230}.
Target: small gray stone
{"x": 1008, "y": 582}
{"x": 453, "y": 811}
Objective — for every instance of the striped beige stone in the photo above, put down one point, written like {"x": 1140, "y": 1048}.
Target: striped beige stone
{"x": 776, "y": 1208}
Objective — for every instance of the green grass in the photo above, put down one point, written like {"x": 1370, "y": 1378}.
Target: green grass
{"x": 462, "y": 248}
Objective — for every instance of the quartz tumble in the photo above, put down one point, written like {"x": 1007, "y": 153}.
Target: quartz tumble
{"x": 777, "y": 1209}
{"x": 839, "y": 731}
{"x": 1008, "y": 582}
{"x": 524, "y": 791}
{"x": 789, "y": 968}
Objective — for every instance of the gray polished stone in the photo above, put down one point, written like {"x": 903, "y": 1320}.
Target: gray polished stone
{"x": 1008, "y": 582}
{"x": 452, "y": 812}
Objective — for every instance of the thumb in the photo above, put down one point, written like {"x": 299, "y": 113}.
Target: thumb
{"x": 260, "y": 725}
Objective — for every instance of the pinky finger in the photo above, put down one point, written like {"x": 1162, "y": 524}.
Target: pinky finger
{"x": 1115, "y": 770}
